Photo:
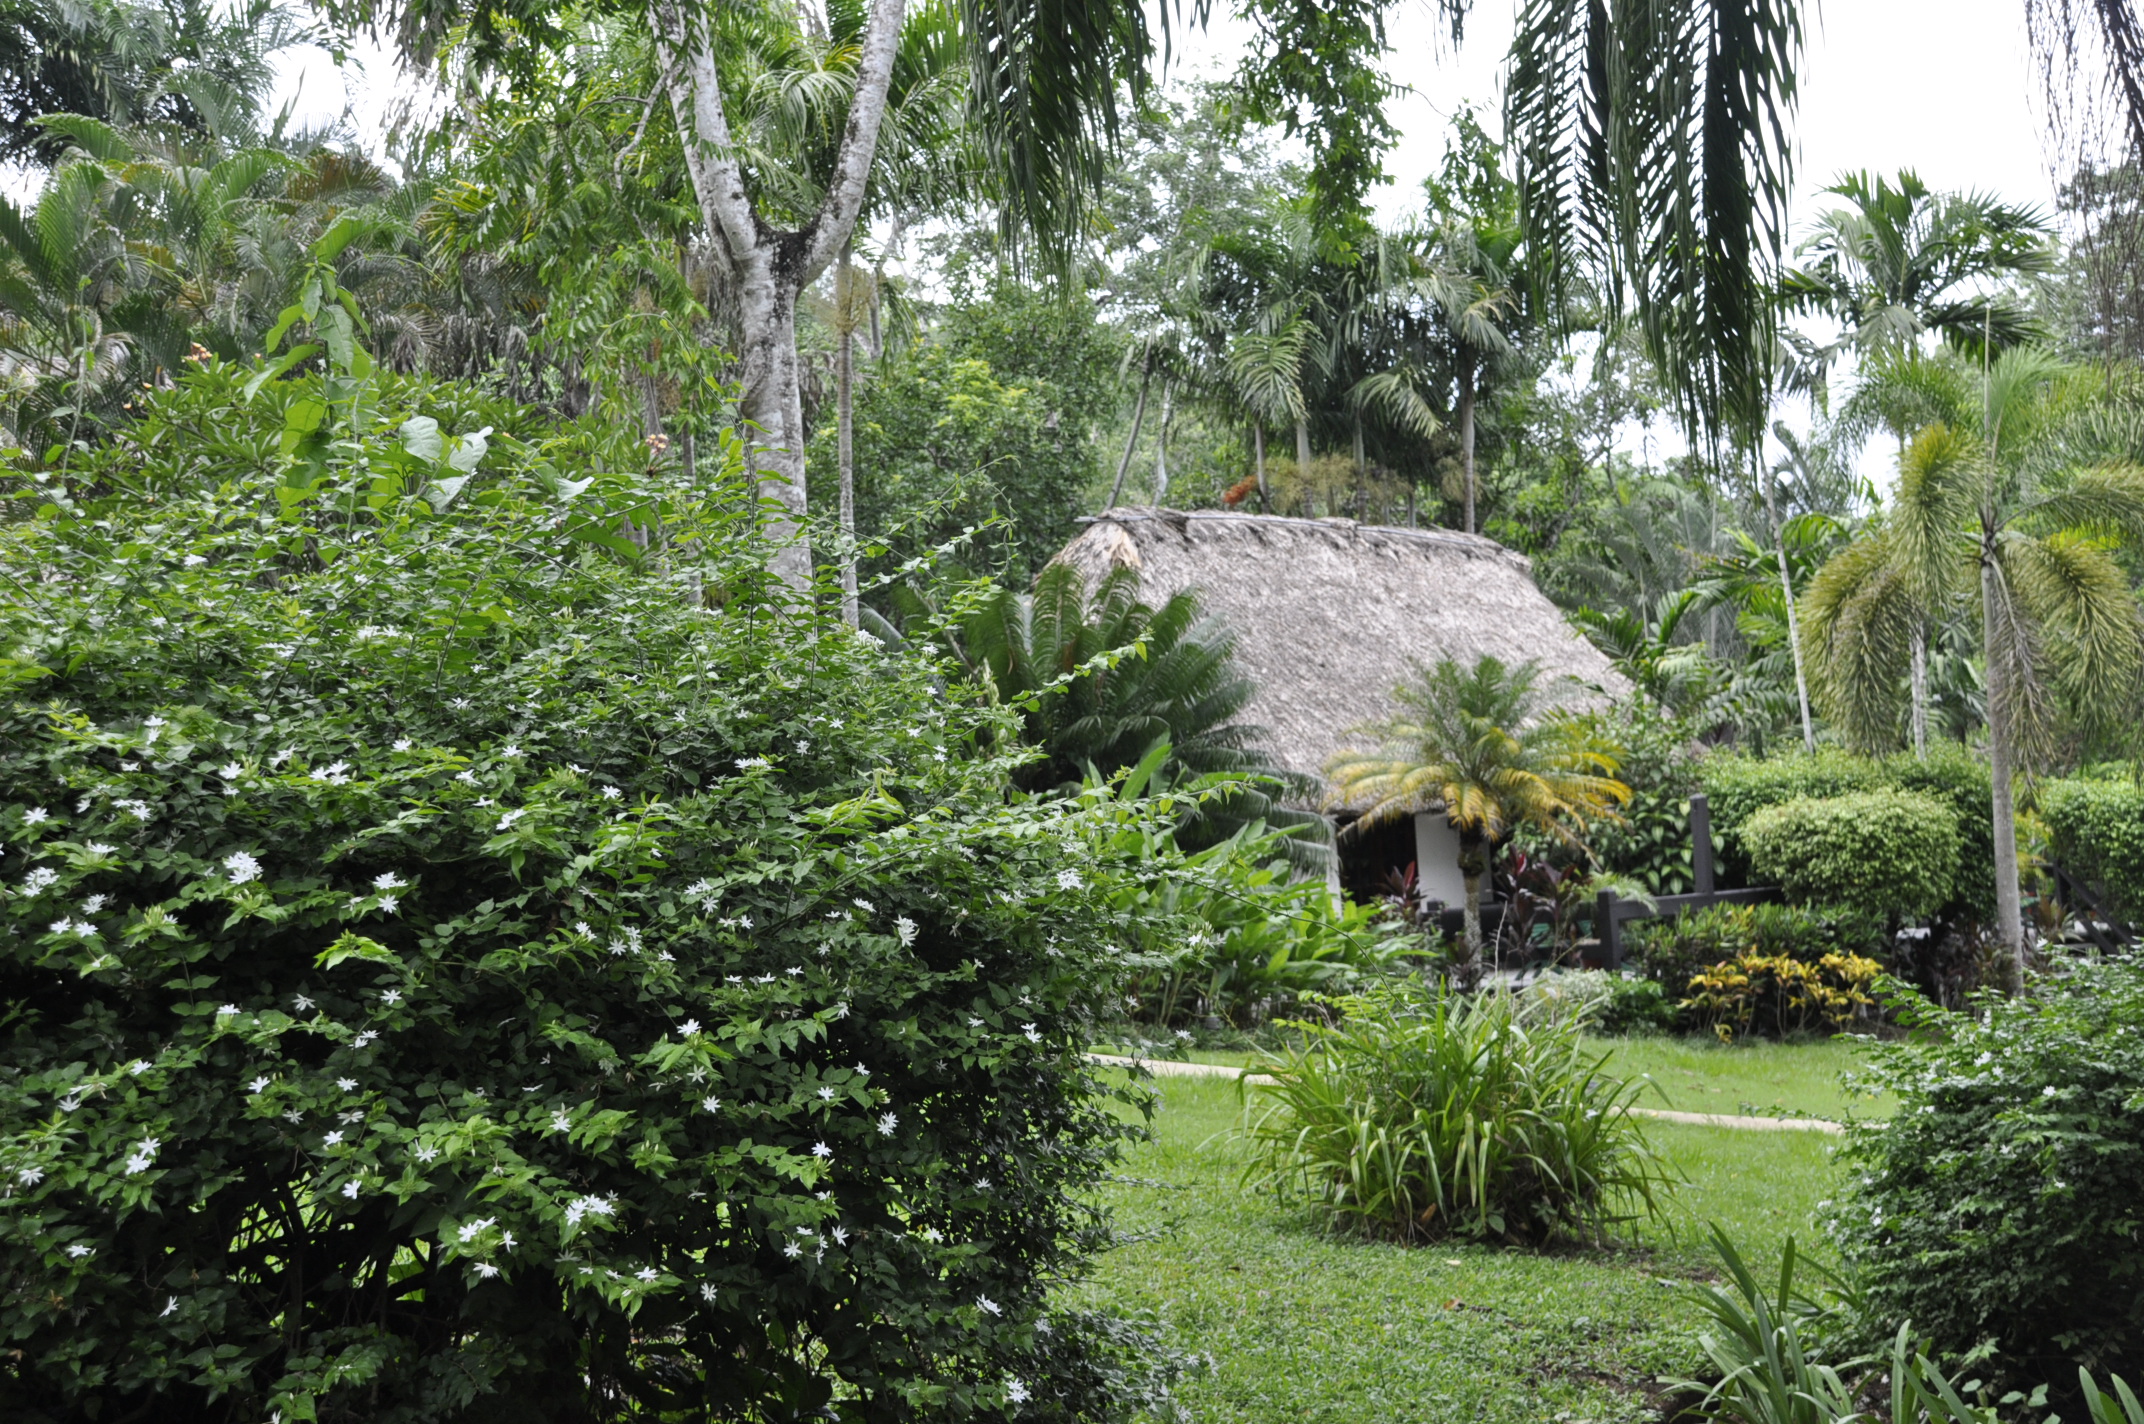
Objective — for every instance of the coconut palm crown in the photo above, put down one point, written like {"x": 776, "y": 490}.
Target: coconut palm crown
{"x": 1484, "y": 745}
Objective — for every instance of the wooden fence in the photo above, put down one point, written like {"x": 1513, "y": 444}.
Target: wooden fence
{"x": 1611, "y": 912}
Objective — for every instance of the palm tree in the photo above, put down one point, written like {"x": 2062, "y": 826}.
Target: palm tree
{"x": 1103, "y": 680}
{"x": 1471, "y": 279}
{"x": 1899, "y": 261}
{"x": 1990, "y": 514}
{"x": 1484, "y": 746}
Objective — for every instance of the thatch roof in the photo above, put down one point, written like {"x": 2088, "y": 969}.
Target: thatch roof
{"x": 1331, "y": 615}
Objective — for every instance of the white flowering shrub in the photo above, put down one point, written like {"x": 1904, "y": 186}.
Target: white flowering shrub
{"x": 450, "y": 968}
{"x": 2000, "y": 1204}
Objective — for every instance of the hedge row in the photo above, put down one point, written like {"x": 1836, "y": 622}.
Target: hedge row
{"x": 1740, "y": 787}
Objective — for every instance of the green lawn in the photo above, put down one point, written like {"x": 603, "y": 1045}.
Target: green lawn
{"x": 1302, "y": 1326}
{"x": 1762, "y": 1079}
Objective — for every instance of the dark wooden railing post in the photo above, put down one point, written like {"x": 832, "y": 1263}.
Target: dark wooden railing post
{"x": 1701, "y": 844}
{"x": 1606, "y": 930}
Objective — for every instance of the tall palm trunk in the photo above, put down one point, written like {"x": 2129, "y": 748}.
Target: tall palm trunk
{"x": 845, "y": 426}
{"x": 1920, "y": 690}
{"x": 1161, "y": 445}
{"x": 1466, "y": 433}
{"x": 1786, "y": 589}
{"x": 1302, "y": 464}
{"x": 2009, "y": 905}
{"x": 1473, "y": 866}
{"x": 1258, "y": 458}
{"x": 1131, "y": 441}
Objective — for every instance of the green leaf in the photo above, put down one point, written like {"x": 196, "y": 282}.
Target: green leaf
{"x": 352, "y": 945}
{"x": 421, "y": 437}
{"x": 278, "y": 366}
{"x": 470, "y": 448}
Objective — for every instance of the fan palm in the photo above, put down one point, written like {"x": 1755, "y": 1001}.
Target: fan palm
{"x": 1982, "y": 514}
{"x": 1483, "y": 745}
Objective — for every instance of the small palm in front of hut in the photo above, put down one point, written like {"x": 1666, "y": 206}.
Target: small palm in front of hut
{"x": 1485, "y": 746}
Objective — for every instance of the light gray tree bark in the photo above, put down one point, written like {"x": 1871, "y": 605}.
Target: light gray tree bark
{"x": 768, "y": 267}
{"x": 1131, "y": 441}
{"x": 845, "y": 427}
{"x": 2009, "y": 903}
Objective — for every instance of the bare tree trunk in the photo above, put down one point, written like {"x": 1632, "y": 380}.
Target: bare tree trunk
{"x": 1302, "y": 450}
{"x": 1131, "y": 440}
{"x": 1466, "y": 433}
{"x": 1161, "y": 445}
{"x": 2009, "y": 903}
{"x": 1786, "y": 590}
{"x": 1258, "y": 455}
{"x": 768, "y": 267}
{"x": 845, "y": 427}
{"x": 1920, "y": 691}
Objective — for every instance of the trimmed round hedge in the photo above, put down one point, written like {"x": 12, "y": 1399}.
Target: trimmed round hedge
{"x": 1877, "y": 852}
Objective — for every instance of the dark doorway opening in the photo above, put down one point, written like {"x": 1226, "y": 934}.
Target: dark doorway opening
{"x": 1371, "y": 857}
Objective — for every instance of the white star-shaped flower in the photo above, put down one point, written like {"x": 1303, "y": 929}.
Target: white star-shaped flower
{"x": 1034, "y": 1035}
{"x": 688, "y": 1028}
{"x": 242, "y": 867}
{"x": 302, "y": 1002}
{"x": 36, "y": 816}
{"x": 459, "y": 704}
{"x": 486, "y": 1270}
{"x": 227, "y": 1011}
{"x": 560, "y": 1122}
{"x": 390, "y": 996}
{"x": 792, "y": 1250}
{"x": 402, "y": 744}
{"x": 169, "y": 1306}
{"x": 333, "y": 1139}
{"x": 258, "y": 1085}
{"x": 610, "y": 793}
{"x": 349, "y": 1189}
{"x": 30, "y": 1176}
{"x": 509, "y": 750}
{"x": 364, "y": 1039}
{"x": 1069, "y": 880}
{"x": 886, "y": 1124}
{"x": 388, "y": 880}
{"x": 346, "y": 1084}
{"x": 426, "y": 1154}
{"x": 821, "y": 1151}
{"x": 293, "y": 1116}
{"x": 230, "y": 771}
{"x": 645, "y": 1273}
{"x": 988, "y": 1306}
{"x": 78, "y": 1250}
{"x": 1016, "y": 1392}
{"x": 711, "y": 1104}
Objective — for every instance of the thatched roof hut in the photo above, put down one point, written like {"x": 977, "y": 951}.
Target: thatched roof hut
{"x": 1331, "y": 615}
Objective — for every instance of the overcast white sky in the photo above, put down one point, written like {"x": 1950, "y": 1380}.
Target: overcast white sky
{"x": 1942, "y": 85}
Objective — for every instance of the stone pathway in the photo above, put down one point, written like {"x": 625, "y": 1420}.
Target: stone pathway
{"x": 1170, "y": 1068}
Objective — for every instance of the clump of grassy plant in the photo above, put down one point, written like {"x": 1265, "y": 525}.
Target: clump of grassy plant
{"x": 1416, "y": 1117}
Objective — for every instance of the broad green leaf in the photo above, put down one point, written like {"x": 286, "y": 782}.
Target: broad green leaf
{"x": 421, "y": 437}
